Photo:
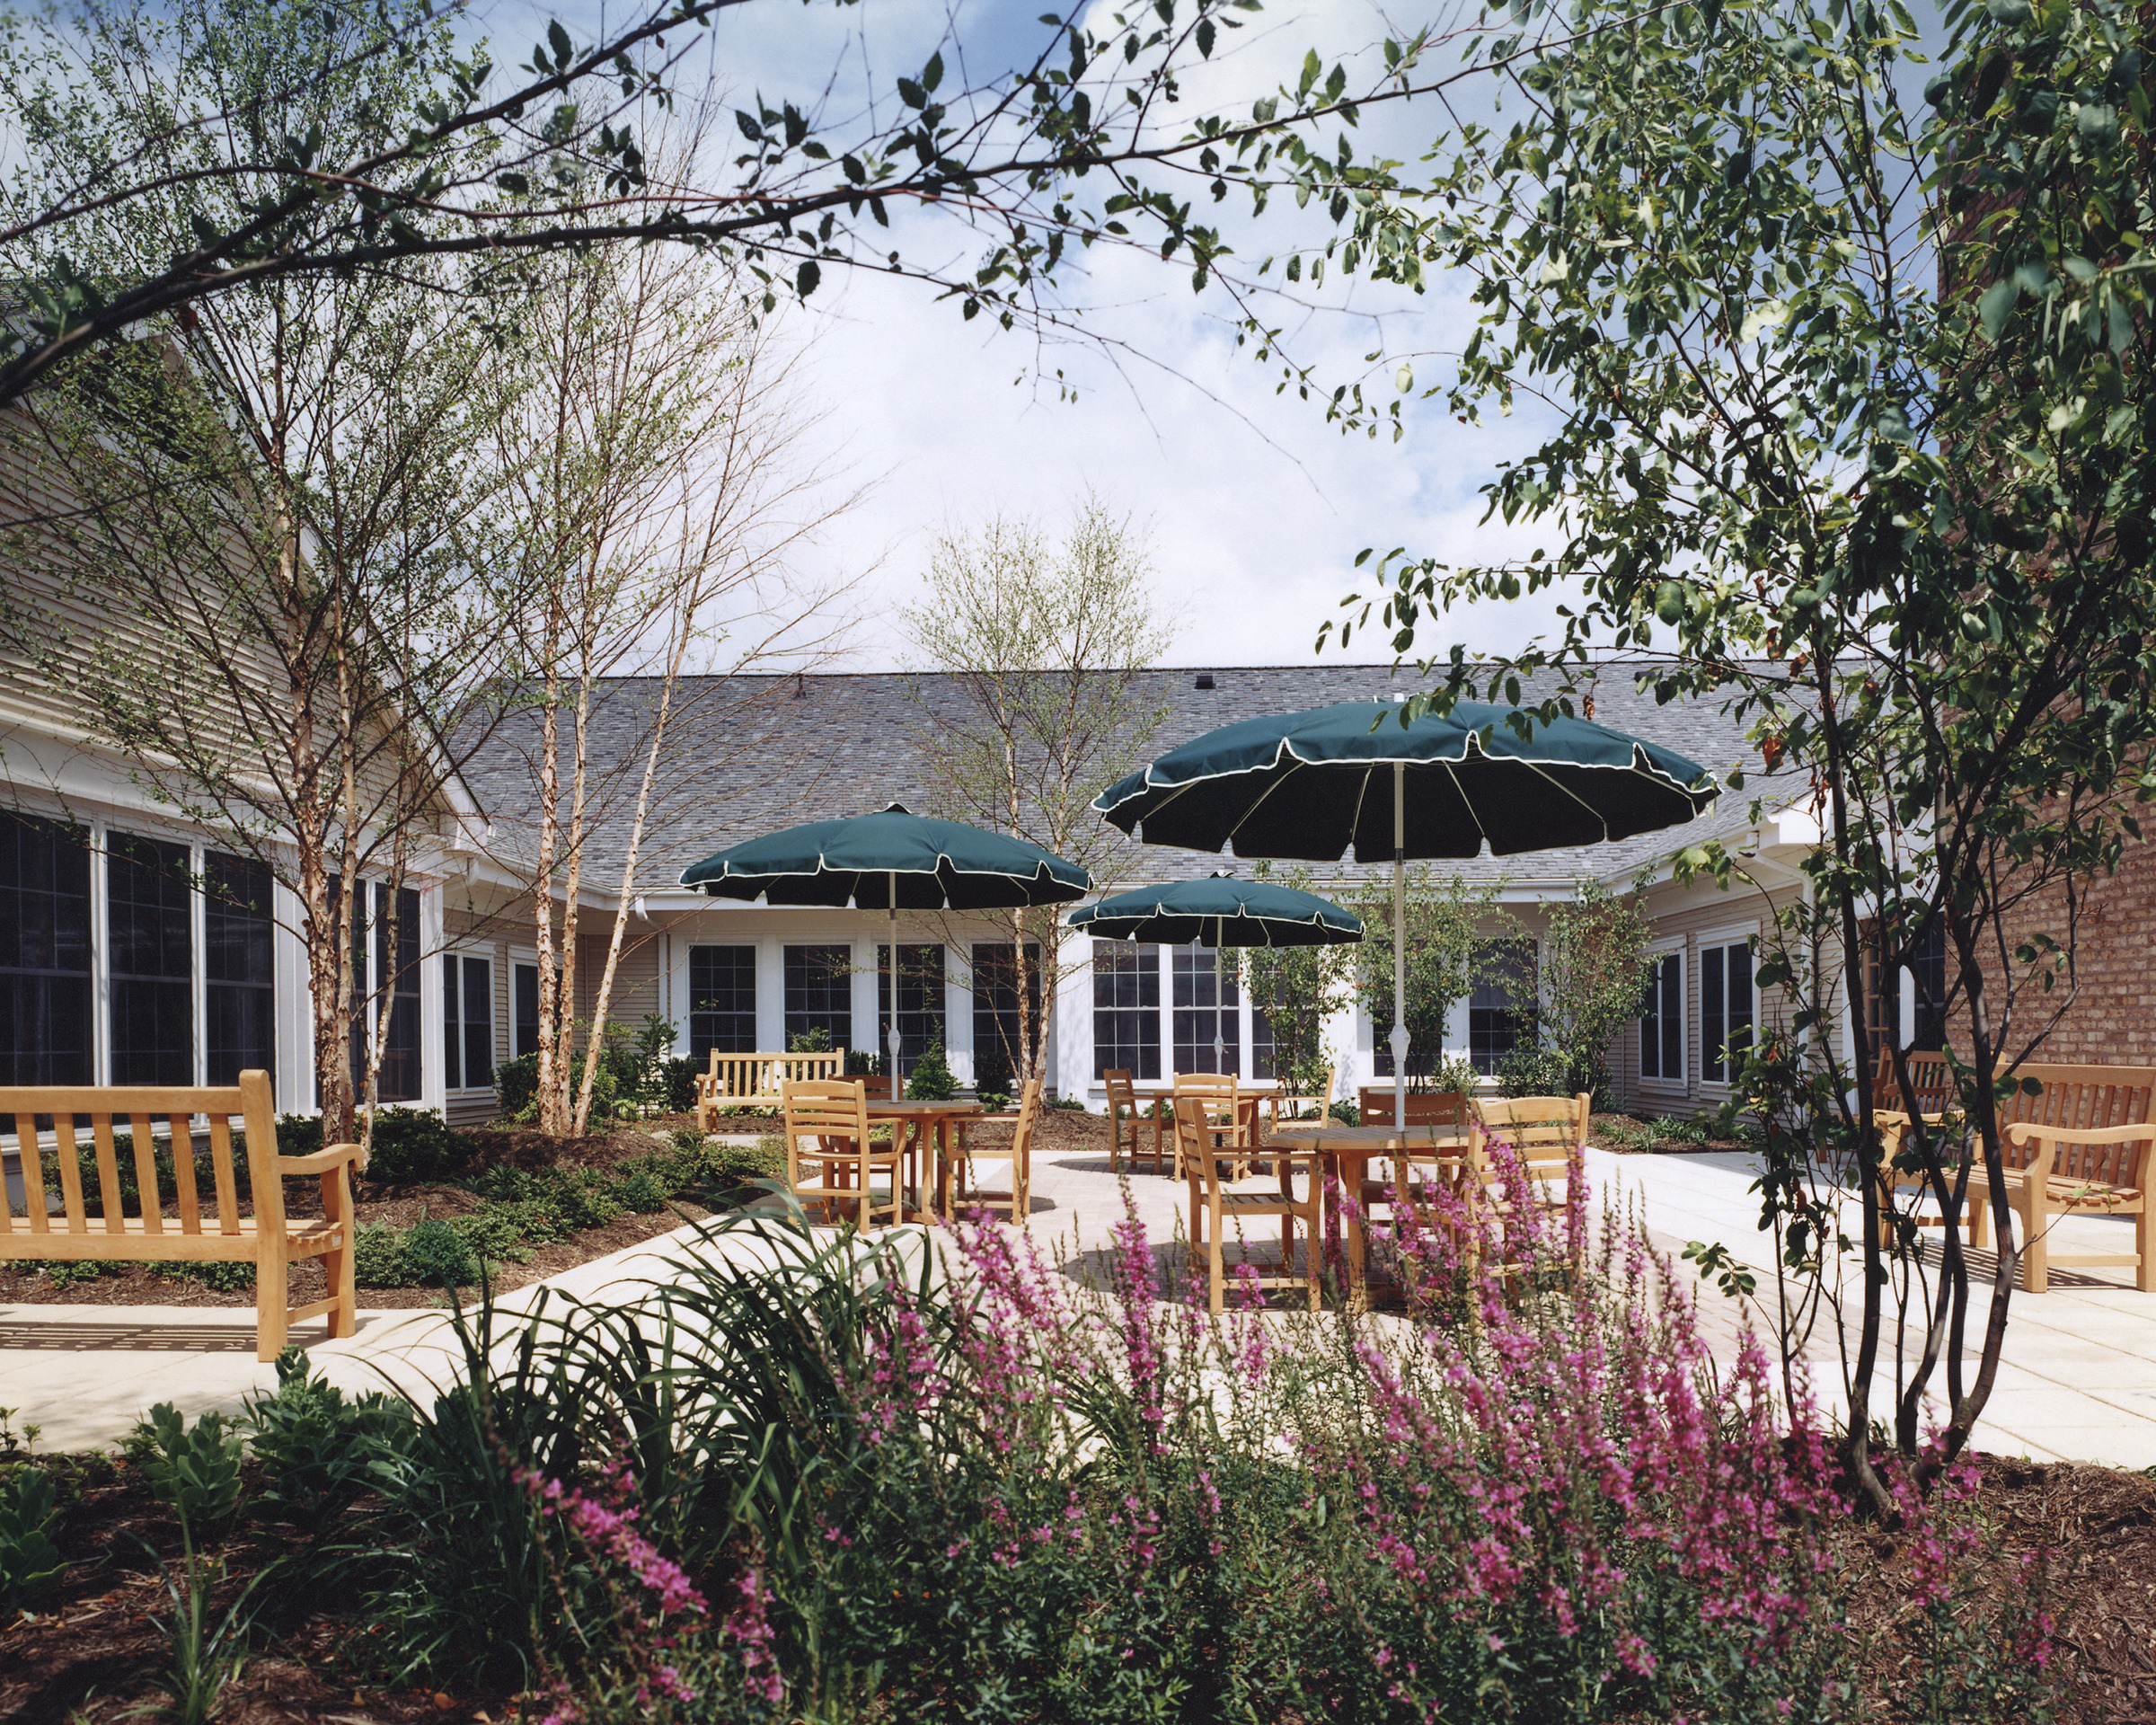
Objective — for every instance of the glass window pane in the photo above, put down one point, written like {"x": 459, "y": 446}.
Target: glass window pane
{"x": 45, "y": 999}
{"x": 1497, "y": 1009}
{"x": 1127, "y": 1009}
{"x": 722, "y": 1000}
{"x": 920, "y": 1000}
{"x": 149, "y": 893}
{"x": 996, "y": 1024}
{"x": 819, "y": 992}
{"x": 239, "y": 964}
{"x": 527, "y": 1009}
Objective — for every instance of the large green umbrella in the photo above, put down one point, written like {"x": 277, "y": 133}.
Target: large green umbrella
{"x": 890, "y": 859}
{"x": 1311, "y": 785}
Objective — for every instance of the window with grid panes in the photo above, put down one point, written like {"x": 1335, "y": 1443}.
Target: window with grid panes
{"x": 995, "y": 1015}
{"x": 239, "y": 1031}
{"x": 722, "y": 1000}
{"x": 819, "y": 992}
{"x": 1127, "y": 1009}
{"x": 45, "y": 993}
{"x": 467, "y": 1022}
{"x": 398, "y": 1080}
{"x": 1930, "y": 972}
{"x": 1498, "y": 1008}
{"x": 523, "y": 1009}
{"x": 920, "y": 1000}
{"x": 1724, "y": 1010}
{"x": 1205, "y": 1006}
{"x": 1662, "y": 1021}
{"x": 149, "y": 909}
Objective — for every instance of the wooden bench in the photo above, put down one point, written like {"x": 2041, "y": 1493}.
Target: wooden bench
{"x": 2072, "y": 1099}
{"x": 753, "y": 1080}
{"x": 268, "y": 1238}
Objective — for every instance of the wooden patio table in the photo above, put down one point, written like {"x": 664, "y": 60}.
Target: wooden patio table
{"x": 1346, "y": 1153}
{"x": 917, "y": 1120}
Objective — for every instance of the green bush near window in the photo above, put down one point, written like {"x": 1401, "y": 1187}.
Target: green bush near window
{"x": 681, "y": 1076}
{"x": 1530, "y": 1069}
{"x": 517, "y": 1087}
{"x": 992, "y": 1078}
{"x": 932, "y": 1080}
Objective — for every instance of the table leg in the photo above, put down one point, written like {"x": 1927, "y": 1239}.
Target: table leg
{"x": 946, "y": 1169}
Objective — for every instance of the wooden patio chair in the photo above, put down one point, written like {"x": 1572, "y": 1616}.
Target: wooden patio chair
{"x": 2101, "y": 1171}
{"x": 1447, "y": 1117}
{"x": 1122, "y": 1101}
{"x": 1221, "y": 1095}
{"x": 837, "y": 1170}
{"x": 1016, "y": 1200}
{"x": 1283, "y": 1108}
{"x": 1546, "y": 1132}
{"x": 1374, "y": 1106}
{"x": 268, "y": 1238}
{"x": 1210, "y": 1169}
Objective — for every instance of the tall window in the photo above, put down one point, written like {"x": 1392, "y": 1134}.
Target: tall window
{"x": 1662, "y": 1021}
{"x": 1205, "y": 1007}
{"x": 819, "y": 992}
{"x": 1497, "y": 1010}
{"x": 995, "y": 1015}
{"x": 238, "y": 960}
{"x": 467, "y": 1022}
{"x": 1724, "y": 1010}
{"x": 44, "y": 954}
{"x": 722, "y": 1000}
{"x": 1126, "y": 1008}
{"x": 398, "y": 1080}
{"x": 524, "y": 1010}
{"x": 1929, "y": 969}
{"x": 920, "y": 1000}
{"x": 150, "y": 903}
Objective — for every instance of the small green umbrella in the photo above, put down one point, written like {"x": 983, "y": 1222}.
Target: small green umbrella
{"x": 1228, "y": 911}
{"x": 890, "y": 859}
{"x": 1311, "y": 785}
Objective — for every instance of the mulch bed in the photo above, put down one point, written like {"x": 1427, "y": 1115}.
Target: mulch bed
{"x": 143, "y": 1284}
{"x": 96, "y": 1655}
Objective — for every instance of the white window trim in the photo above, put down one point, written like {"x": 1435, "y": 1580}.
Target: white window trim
{"x": 1734, "y": 934}
{"x": 1656, "y": 952}
{"x": 460, "y": 948}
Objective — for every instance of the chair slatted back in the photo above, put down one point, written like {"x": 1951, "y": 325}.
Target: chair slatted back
{"x": 2115, "y": 1155}
{"x": 1545, "y": 1131}
{"x": 1193, "y": 1129}
{"x": 1425, "y": 1107}
{"x": 138, "y": 1110}
{"x": 1928, "y": 1074}
{"x": 1120, "y": 1095}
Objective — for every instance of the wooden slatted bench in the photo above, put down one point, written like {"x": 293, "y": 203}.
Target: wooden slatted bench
{"x": 752, "y": 1080}
{"x": 270, "y": 1240}
{"x": 2072, "y": 1099}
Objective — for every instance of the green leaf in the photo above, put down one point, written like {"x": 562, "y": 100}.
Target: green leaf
{"x": 912, "y": 94}
{"x": 932, "y": 74}
{"x": 806, "y": 277}
{"x": 1995, "y": 303}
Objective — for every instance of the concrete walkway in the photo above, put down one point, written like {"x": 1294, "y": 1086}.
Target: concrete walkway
{"x": 2078, "y": 1380}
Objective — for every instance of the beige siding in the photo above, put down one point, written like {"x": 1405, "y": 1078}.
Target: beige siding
{"x": 635, "y": 979}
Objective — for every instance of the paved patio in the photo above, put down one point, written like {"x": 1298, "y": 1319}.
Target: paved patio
{"x": 2078, "y": 1380}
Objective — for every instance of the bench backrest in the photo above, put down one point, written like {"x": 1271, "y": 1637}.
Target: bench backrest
{"x": 2081, "y": 1097}
{"x": 136, "y": 1111}
{"x": 756, "y": 1077}
{"x": 1425, "y": 1107}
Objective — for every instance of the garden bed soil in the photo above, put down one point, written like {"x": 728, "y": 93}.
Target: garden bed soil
{"x": 95, "y": 1655}
{"x": 402, "y": 1205}
{"x": 1619, "y": 1134}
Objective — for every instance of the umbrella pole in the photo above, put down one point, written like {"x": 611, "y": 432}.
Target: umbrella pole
{"x": 1220, "y": 1047}
{"x": 1400, "y": 947}
{"x": 890, "y": 1034}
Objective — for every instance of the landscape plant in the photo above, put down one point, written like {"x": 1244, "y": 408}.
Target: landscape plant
{"x": 1849, "y": 434}
{"x": 1454, "y": 935}
{"x": 1593, "y": 974}
{"x": 1298, "y": 988}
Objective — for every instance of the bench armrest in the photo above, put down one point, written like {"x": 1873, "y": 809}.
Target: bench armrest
{"x": 322, "y": 1161}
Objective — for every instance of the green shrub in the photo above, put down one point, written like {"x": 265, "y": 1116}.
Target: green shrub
{"x": 378, "y": 1256}
{"x": 226, "y": 1276}
{"x": 991, "y": 1078}
{"x": 932, "y": 1081}
{"x": 864, "y": 1063}
{"x": 680, "y": 1084}
{"x": 578, "y": 1197}
{"x": 30, "y": 1564}
{"x": 1529, "y": 1069}
{"x": 193, "y": 1468}
{"x": 414, "y": 1144}
{"x": 1684, "y": 1128}
{"x": 814, "y": 1041}
{"x": 640, "y": 1192}
{"x": 315, "y": 1448}
{"x": 495, "y": 1232}
{"x": 1069, "y": 1104}
{"x": 434, "y": 1254}
{"x": 517, "y": 1087}
{"x": 298, "y": 1134}
{"x": 1345, "y": 1113}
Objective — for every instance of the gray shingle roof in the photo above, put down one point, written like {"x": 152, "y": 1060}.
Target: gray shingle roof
{"x": 746, "y": 754}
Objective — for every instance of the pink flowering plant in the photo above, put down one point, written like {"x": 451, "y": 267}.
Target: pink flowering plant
{"x": 949, "y": 1479}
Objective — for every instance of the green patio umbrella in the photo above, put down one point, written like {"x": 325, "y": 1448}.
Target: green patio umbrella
{"x": 1230, "y": 911}
{"x": 1311, "y": 786}
{"x": 889, "y": 861}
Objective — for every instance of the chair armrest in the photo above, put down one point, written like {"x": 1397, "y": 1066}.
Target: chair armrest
{"x": 322, "y": 1161}
{"x": 2045, "y": 1153}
